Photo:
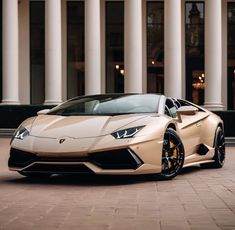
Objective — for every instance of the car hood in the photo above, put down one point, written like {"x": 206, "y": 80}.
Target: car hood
{"x": 53, "y": 126}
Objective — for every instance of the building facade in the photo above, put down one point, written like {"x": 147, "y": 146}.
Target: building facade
{"x": 54, "y": 50}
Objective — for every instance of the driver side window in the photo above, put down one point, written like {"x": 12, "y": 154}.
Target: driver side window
{"x": 170, "y": 108}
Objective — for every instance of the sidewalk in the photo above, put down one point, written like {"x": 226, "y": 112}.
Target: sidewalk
{"x": 196, "y": 199}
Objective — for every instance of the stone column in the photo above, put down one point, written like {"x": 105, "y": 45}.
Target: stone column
{"x": 213, "y": 54}
{"x": 10, "y": 52}
{"x": 92, "y": 47}
{"x": 134, "y": 60}
{"x": 173, "y": 49}
{"x": 53, "y": 81}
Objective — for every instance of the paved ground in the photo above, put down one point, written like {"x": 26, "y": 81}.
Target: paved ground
{"x": 196, "y": 199}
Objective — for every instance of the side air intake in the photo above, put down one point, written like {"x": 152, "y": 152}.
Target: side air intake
{"x": 202, "y": 150}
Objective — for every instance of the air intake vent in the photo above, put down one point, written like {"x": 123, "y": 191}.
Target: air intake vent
{"x": 116, "y": 159}
{"x": 202, "y": 149}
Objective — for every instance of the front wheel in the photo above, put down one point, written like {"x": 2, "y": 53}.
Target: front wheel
{"x": 172, "y": 155}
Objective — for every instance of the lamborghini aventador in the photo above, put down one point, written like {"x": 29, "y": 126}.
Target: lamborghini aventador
{"x": 118, "y": 134}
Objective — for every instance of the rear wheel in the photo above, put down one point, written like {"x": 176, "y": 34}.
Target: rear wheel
{"x": 219, "y": 145}
{"x": 172, "y": 155}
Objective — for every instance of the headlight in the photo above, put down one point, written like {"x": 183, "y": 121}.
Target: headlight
{"x": 21, "y": 133}
{"x": 127, "y": 133}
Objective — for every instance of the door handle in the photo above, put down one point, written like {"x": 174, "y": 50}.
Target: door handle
{"x": 198, "y": 124}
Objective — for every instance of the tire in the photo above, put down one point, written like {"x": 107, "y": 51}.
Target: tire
{"x": 219, "y": 155}
{"x": 35, "y": 175}
{"x": 172, "y": 155}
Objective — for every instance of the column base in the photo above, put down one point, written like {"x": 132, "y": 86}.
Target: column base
{"x": 52, "y": 102}
{"x": 213, "y": 106}
{"x": 10, "y": 102}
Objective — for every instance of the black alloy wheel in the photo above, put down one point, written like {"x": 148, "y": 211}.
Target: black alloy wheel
{"x": 219, "y": 156}
{"x": 172, "y": 155}
{"x": 219, "y": 145}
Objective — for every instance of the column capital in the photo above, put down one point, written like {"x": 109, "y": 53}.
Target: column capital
{"x": 10, "y": 102}
{"x": 214, "y": 106}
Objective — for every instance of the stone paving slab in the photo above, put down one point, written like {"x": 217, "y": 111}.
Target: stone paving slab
{"x": 196, "y": 199}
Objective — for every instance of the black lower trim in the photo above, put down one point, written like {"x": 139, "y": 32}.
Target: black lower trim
{"x": 20, "y": 159}
{"x": 58, "y": 168}
{"x": 113, "y": 159}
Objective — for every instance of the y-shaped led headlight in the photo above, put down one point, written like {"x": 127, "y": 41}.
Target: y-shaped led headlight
{"x": 21, "y": 133}
{"x": 127, "y": 133}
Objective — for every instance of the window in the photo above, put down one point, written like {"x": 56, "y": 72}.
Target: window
{"x": 75, "y": 49}
{"x": 108, "y": 104}
{"x": 231, "y": 55}
{"x": 194, "y": 32}
{"x": 155, "y": 47}
{"x": 1, "y": 50}
{"x": 114, "y": 47}
{"x": 171, "y": 108}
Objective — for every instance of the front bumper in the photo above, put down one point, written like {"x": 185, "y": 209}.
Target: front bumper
{"x": 121, "y": 159}
{"x": 102, "y": 155}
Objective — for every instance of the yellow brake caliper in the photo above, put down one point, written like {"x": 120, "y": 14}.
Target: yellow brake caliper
{"x": 174, "y": 151}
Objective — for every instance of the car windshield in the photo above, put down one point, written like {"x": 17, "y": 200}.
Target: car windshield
{"x": 108, "y": 105}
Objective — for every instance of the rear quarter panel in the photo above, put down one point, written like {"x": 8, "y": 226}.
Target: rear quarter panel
{"x": 209, "y": 127}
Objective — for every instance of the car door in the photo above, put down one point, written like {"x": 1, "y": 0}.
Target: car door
{"x": 190, "y": 130}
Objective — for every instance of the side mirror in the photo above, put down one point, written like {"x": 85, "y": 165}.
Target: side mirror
{"x": 42, "y": 112}
{"x": 186, "y": 110}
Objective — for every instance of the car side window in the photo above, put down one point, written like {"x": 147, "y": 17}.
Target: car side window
{"x": 171, "y": 108}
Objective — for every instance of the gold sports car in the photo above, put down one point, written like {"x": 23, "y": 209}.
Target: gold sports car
{"x": 118, "y": 134}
